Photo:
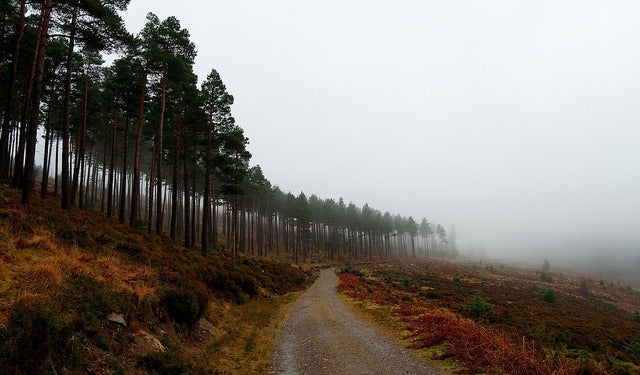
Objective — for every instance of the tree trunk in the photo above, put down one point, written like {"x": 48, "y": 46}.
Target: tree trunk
{"x": 66, "y": 202}
{"x": 47, "y": 149}
{"x": 150, "y": 194}
{"x": 207, "y": 187}
{"x": 187, "y": 229}
{"x": 174, "y": 191}
{"x": 194, "y": 221}
{"x": 135, "y": 187}
{"x": 8, "y": 110}
{"x": 55, "y": 177}
{"x": 27, "y": 181}
{"x": 159, "y": 151}
{"x": 104, "y": 175}
{"x": 112, "y": 164}
{"x": 18, "y": 164}
{"x": 123, "y": 180}
{"x": 81, "y": 150}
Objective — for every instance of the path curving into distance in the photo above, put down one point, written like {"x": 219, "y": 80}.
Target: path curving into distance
{"x": 322, "y": 336}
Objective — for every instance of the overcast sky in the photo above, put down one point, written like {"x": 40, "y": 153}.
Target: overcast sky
{"x": 516, "y": 121}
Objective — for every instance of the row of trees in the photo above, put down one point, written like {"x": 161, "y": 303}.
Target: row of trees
{"x": 139, "y": 140}
{"x": 315, "y": 226}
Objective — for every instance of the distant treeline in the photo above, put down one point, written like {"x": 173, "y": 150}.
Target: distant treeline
{"x": 139, "y": 140}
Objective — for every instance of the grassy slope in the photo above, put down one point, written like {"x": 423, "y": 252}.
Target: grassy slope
{"x": 62, "y": 273}
{"x": 589, "y": 328}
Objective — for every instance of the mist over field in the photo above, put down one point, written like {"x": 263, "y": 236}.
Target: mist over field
{"x": 515, "y": 122}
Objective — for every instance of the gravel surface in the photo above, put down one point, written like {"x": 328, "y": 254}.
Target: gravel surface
{"x": 322, "y": 336}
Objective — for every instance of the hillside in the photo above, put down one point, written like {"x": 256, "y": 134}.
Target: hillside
{"x": 479, "y": 317}
{"x": 82, "y": 294}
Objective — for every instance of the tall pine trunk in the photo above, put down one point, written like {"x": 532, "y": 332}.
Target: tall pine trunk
{"x": 123, "y": 180}
{"x": 66, "y": 201}
{"x": 207, "y": 192}
{"x": 81, "y": 150}
{"x": 27, "y": 181}
{"x": 112, "y": 164}
{"x": 47, "y": 148}
{"x": 159, "y": 151}
{"x": 150, "y": 194}
{"x": 187, "y": 231}
{"x": 174, "y": 191}
{"x": 135, "y": 187}
{"x": 18, "y": 163}
{"x": 8, "y": 109}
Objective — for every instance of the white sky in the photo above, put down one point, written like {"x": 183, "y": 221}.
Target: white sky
{"x": 517, "y": 121}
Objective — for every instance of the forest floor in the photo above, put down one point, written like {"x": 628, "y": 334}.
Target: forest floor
{"x": 480, "y": 317}
{"x": 82, "y": 294}
{"x": 322, "y": 336}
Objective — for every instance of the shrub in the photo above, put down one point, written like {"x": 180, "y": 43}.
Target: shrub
{"x": 478, "y": 307}
{"x": 546, "y": 277}
{"x": 636, "y": 316}
{"x": 548, "y": 295}
{"x": 115, "y": 367}
{"x": 183, "y": 305}
{"x": 164, "y": 363}
{"x": 141, "y": 224}
{"x": 389, "y": 278}
{"x": 633, "y": 348}
{"x": 91, "y": 299}
{"x": 34, "y": 329}
{"x": 351, "y": 270}
{"x": 456, "y": 279}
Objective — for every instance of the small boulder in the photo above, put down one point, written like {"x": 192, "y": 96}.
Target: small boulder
{"x": 203, "y": 329}
{"x": 146, "y": 343}
{"x": 117, "y": 318}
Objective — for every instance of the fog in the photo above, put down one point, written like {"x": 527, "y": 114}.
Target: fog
{"x": 517, "y": 122}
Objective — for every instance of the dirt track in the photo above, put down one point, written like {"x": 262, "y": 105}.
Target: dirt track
{"x": 322, "y": 336}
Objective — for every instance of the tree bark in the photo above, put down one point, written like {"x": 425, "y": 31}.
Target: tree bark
{"x": 47, "y": 148}
{"x": 104, "y": 175}
{"x": 123, "y": 180}
{"x": 66, "y": 201}
{"x": 135, "y": 188}
{"x": 174, "y": 191}
{"x": 55, "y": 183}
{"x": 187, "y": 229}
{"x": 81, "y": 150}
{"x": 207, "y": 187}
{"x": 27, "y": 181}
{"x": 150, "y": 194}
{"x": 112, "y": 164}
{"x": 6, "y": 119}
{"x": 18, "y": 165}
{"x": 159, "y": 151}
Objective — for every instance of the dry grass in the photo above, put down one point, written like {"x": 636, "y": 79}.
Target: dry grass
{"x": 83, "y": 265}
{"x": 383, "y": 318}
{"x": 579, "y": 332}
{"x": 246, "y": 334}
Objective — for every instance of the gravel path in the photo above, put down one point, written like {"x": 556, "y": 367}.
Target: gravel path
{"x": 322, "y": 336}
